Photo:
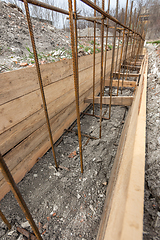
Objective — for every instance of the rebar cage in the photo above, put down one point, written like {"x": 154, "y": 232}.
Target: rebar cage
{"x": 128, "y": 40}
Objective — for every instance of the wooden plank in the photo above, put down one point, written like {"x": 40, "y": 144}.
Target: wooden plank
{"x": 126, "y": 83}
{"x": 133, "y": 217}
{"x": 35, "y": 118}
{"x": 20, "y": 82}
{"x": 133, "y": 63}
{"x": 32, "y": 102}
{"x": 28, "y": 144}
{"x": 25, "y": 167}
{"x": 116, "y": 195}
{"x": 129, "y": 67}
{"x": 18, "y": 132}
{"x": 115, "y": 74}
{"x": 28, "y": 162}
{"x": 23, "y": 81}
{"x": 116, "y": 100}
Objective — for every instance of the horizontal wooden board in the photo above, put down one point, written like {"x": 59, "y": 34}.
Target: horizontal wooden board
{"x": 21, "y": 82}
{"x": 21, "y": 130}
{"x": 24, "y": 136}
{"x": 31, "y": 142}
{"x": 28, "y": 162}
{"x": 116, "y": 100}
{"x": 126, "y": 83}
{"x": 126, "y": 74}
{"x": 137, "y": 68}
{"x": 32, "y": 102}
{"x": 25, "y": 122}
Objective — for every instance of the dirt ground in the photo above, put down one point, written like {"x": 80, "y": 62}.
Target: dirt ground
{"x": 67, "y": 204}
{"x": 152, "y": 176}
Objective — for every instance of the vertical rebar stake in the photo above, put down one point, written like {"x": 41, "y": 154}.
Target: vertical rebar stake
{"x": 126, "y": 49}
{"x": 5, "y": 220}
{"x": 8, "y": 177}
{"x": 112, "y": 64}
{"x": 101, "y": 80}
{"x": 131, "y": 44}
{"x": 120, "y": 62}
{"x": 105, "y": 61}
{"x": 139, "y": 46}
{"x": 76, "y": 84}
{"x": 134, "y": 37}
{"x": 94, "y": 57}
{"x": 117, "y": 52}
{"x": 76, "y": 35}
{"x": 39, "y": 78}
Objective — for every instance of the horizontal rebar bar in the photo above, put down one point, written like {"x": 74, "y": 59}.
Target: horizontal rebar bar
{"x": 89, "y": 3}
{"x": 98, "y": 36}
{"x": 105, "y": 14}
{"x": 83, "y": 134}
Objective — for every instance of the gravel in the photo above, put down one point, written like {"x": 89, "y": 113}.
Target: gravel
{"x": 152, "y": 176}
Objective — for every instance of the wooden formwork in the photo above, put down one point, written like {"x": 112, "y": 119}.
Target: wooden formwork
{"x": 23, "y": 130}
{"x": 122, "y": 217}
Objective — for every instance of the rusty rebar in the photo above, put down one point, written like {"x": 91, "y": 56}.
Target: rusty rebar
{"x": 83, "y": 134}
{"x": 117, "y": 52}
{"x": 136, "y": 40}
{"x": 139, "y": 46}
{"x": 5, "y": 220}
{"x": 118, "y": 37}
{"x": 112, "y": 64}
{"x": 76, "y": 39}
{"x": 76, "y": 84}
{"x": 120, "y": 62}
{"x": 89, "y": 3}
{"x": 97, "y": 36}
{"x": 131, "y": 43}
{"x": 134, "y": 37}
{"x": 126, "y": 49}
{"x": 106, "y": 48}
{"x": 8, "y": 177}
{"x": 97, "y": 116}
{"x": 47, "y": 6}
{"x": 40, "y": 78}
{"x": 105, "y": 14}
{"x": 94, "y": 57}
{"x": 101, "y": 79}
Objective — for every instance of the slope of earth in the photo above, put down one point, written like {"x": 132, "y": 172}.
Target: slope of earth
{"x": 15, "y": 44}
{"x": 152, "y": 177}
{"x": 52, "y": 44}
